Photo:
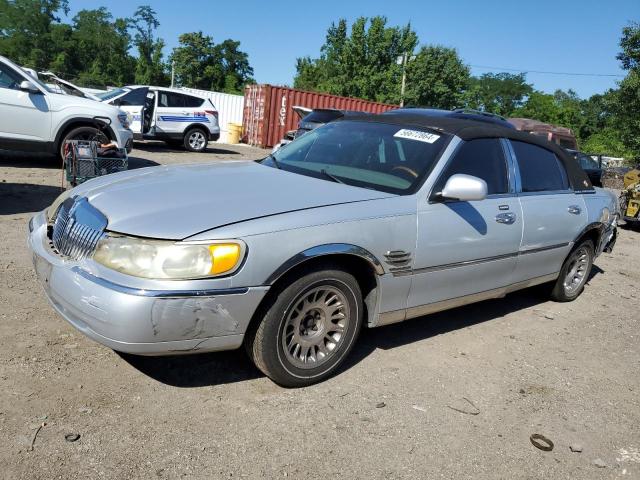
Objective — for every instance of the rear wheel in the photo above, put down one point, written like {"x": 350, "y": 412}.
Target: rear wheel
{"x": 574, "y": 273}
{"x": 195, "y": 140}
{"x": 308, "y": 329}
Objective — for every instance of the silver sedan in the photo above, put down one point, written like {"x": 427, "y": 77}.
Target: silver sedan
{"x": 362, "y": 222}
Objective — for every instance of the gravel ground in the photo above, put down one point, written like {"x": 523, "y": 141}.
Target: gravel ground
{"x": 452, "y": 395}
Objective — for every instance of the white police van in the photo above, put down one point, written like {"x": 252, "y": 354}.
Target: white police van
{"x": 168, "y": 114}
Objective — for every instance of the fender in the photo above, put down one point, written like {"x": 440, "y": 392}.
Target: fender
{"x": 79, "y": 120}
{"x": 597, "y": 226}
{"x": 322, "y": 250}
{"x": 201, "y": 126}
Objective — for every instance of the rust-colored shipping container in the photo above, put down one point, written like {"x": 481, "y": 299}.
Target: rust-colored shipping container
{"x": 268, "y": 113}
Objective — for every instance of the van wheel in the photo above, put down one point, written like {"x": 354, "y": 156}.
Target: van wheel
{"x": 308, "y": 329}
{"x": 574, "y": 273}
{"x": 82, "y": 133}
{"x": 195, "y": 140}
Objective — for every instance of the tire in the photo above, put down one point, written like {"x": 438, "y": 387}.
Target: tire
{"x": 574, "y": 273}
{"x": 321, "y": 312}
{"x": 82, "y": 133}
{"x": 195, "y": 140}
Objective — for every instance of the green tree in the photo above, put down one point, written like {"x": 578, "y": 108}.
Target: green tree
{"x": 28, "y": 29}
{"x": 539, "y": 106}
{"x": 200, "y": 63}
{"x": 101, "y": 49}
{"x": 360, "y": 63}
{"x": 499, "y": 93}
{"x": 150, "y": 69}
{"x": 436, "y": 78}
{"x": 627, "y": 98}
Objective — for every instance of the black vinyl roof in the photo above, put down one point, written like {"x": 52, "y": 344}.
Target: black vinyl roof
{"x": 470, "y": 126}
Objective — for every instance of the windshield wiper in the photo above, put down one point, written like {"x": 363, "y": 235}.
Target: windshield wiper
{"x": 275, "y": 162}
{"x": 330, "y": 176}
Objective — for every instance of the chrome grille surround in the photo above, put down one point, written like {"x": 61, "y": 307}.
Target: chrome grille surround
{"x": 77, "y": 228}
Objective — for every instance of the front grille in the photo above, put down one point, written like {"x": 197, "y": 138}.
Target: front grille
{"x": 77, "y": 228}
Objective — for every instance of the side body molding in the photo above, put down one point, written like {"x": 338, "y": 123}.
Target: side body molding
{"x": 322, "y": 250}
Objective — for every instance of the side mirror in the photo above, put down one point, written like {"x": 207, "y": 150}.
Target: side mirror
{"x": 465, "y": 188}
{"x": 27, "y": 86}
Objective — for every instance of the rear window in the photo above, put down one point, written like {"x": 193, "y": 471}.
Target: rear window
{"x": 178, "y": 100}
{"x": 540, "y": 169}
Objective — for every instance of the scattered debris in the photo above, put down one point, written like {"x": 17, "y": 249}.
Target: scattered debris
{"x": 541, "y": 442}
{"x": 33, "y": 440}
{"x": 416, "y": 407}
{"x": 598, "y": 462}
{"x": 381, "y": 405}
{"x": 575, "y": 447}
{"x": 549, "y": 316}
{"x": 475, "y": 410}
{"x": 85, "y": 410}
{"x": 72, "y": 437}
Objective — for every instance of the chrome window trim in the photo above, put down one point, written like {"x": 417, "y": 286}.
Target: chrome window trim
{"x": 141, "y": 292}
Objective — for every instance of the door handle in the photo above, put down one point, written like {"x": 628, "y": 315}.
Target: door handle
{"x": 506, "y": 218}
{"x": 574, "y": 209}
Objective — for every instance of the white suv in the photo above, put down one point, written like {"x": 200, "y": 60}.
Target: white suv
{"x": 35, "y": 118}
{"x": 159, "y": 113}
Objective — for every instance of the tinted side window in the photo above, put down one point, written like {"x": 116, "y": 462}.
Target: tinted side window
{"x": 192, "y": 102}
{"x": 482, "y": 158}
{"x": 135, "y": 97}
{"x": 9, "y": 78}
{"x": 540, "y": 169}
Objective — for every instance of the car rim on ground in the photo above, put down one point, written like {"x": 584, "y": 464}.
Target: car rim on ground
{"x": 577, "y": 271}
{"x": 197, "y": 140}
{"x": 315, "y": 326}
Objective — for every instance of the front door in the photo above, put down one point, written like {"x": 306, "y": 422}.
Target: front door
{"x": 25, "y": 116}
{"x": 133, "y": 103}
{"x": 467, "y": 250}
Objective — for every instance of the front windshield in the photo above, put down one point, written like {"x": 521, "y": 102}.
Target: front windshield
{"x": 104, "y": 96}
{"x": 372, "y": 155}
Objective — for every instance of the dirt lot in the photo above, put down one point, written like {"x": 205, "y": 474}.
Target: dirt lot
{"x": 526, "y": 365}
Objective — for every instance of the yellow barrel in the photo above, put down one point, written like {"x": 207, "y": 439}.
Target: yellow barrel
{"x": 235, "y": 132}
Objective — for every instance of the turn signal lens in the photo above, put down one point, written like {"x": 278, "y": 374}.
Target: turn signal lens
{"x": 224, "y": 256}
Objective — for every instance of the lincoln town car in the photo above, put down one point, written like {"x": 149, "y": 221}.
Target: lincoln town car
{"x": 362, "y": 222}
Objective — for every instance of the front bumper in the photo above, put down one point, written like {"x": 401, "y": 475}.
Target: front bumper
{"x": 137, "y": 320}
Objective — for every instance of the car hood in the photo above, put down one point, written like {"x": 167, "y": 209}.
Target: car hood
{"x": 176, "y": 202}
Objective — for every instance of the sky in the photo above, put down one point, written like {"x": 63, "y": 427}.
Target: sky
{"x": 575, "y": 36}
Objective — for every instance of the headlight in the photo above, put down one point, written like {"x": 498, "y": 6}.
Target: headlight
{"x": 53, "y": 208}
{"x": 162, "y": 259}
{"x": 124, "y": 119}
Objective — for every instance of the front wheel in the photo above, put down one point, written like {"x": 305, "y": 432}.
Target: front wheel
{"x": 574, "y": 273}
{"x": 308, "y": 329}
{"x": 196, "y": 140}
{"x": 83, "y": 133}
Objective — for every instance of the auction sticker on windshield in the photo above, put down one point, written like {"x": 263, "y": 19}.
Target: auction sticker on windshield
{"x": 417, "y": 135}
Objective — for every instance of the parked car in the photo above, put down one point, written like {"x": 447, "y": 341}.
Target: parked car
{"x": 311, "y": 119}
{"x": 591, "y": 166}
{"x": 167, "y": 114}
{"x": 360, "y": 222}
{"x": 34, "y": 118}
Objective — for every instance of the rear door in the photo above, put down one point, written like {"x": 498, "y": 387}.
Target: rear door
{"x": 133, "y": 103}
{"x": 177, "y": 111}
{"x": 554, "y": 215}
{"x": 467, "y": 248}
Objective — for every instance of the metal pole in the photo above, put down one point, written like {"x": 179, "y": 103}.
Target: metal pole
{"x": 404, "y": 78}
{"x": 173, "y": 72}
